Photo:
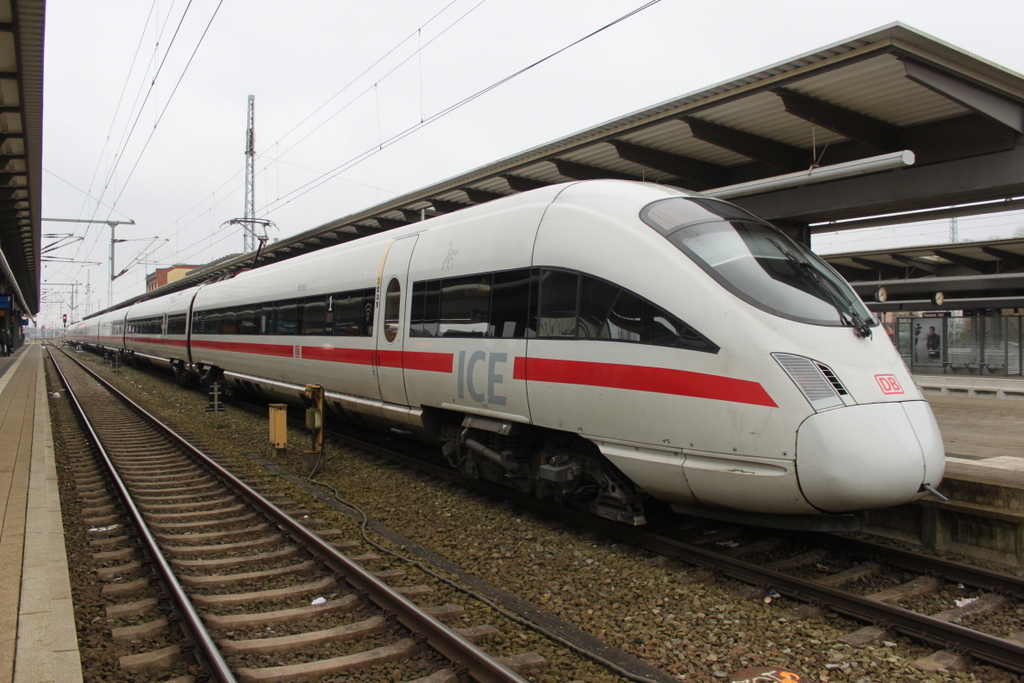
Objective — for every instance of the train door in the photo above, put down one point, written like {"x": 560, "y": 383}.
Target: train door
{"x": 391, "y": 319}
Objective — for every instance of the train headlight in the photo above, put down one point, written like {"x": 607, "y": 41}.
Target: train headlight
{"x": 816, "y": 381}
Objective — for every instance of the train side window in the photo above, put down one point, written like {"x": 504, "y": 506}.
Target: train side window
{"x": 176, "y": 324}
{"x": 510, "y": 304}
{"x": 228, "y": 321}
{"x": 425, "y": 308}
{"x": 246, "y": 319}
{"x": 392, "y": 309}
{"x": 348, "y": 314}
{"x": 314, "y": 315}
{"x": 289, "y": 317}
{"x": 638, "y": 320}
{"x": 269, "y": 318}
{"x": 596, "y": 300}
{"x": 465, "y": 306}
{"x": 366, "y": 324}
{"x": 211, "y": 322}
{"x": 559, "y": 295}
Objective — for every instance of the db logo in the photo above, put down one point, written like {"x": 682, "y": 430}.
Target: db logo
{"x": 889, "y": 384}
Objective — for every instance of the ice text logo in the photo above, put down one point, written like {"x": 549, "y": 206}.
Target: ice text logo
{"x": 466, "y": 376}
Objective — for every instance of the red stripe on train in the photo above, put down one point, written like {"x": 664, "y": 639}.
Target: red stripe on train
{"x": 640, "y": 378}
{"x": 410, "y": 360}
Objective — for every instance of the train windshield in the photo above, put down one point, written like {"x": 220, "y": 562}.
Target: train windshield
{"x": 757, "y": 262}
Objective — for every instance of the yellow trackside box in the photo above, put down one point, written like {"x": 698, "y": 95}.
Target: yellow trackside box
{"x": 279, "y": 425}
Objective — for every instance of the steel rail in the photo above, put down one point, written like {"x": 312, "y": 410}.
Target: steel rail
{"x": 465, "y": 657}
{"x": 999, "y": 651}
{"x": 195, "y": 628}
{"x": 1004, "y": 584}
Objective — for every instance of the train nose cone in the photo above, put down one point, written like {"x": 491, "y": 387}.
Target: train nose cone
{"x": 868, "y": 456}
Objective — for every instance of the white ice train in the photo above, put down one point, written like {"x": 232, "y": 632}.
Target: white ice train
{"x": 594, "y": 342}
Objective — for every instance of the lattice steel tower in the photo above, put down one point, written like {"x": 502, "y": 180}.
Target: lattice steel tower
{"x": 248, "y": 234}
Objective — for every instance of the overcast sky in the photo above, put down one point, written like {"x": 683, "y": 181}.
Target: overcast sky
{"x": 145, "y": 102}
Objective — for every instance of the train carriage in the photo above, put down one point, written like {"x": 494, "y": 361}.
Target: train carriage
{"x": 596, "y": 342}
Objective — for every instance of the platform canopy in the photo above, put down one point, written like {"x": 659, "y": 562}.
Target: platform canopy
{"x": 21, "y": 149}
{"x": 891, "y": 91}
{"x": 967, "y": 275}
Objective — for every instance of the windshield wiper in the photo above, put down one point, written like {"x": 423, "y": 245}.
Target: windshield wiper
{"x": 847, "y": 311}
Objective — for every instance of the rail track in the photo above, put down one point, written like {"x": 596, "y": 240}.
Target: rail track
{"x": 891, "y": 590}
{"x": 258, "y": 595}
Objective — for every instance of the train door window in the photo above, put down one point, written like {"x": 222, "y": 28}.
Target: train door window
{"x": 465, "y": 306}
{"x": 392, "y": 308}
{"x": 510, "y": 304}
{"x": 425, "y": 308}
{"x": 559, "y": 294}
{"x": 314, "y": 315}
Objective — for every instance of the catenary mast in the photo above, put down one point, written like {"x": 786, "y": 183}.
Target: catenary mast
{"x": 248, "y": 235}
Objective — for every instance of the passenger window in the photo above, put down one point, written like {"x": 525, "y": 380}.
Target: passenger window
{"x": 558, "y": 297}
{"x": 426, "y": 303}
{"x": 348, "y": 313}
{"x": 247, "y": 320}
{"x": 596, "y": 300}
{"x": 465, "y": 306}
{"x": 392, "y": 308}
{"x": 510, "y": 304}
{"x": 314, "y": 315}
{"x": 227, "y": 322}
{"x": 625, "y": 321}
{"x": 289, "y": 317}
{"x": 366, "y": 324}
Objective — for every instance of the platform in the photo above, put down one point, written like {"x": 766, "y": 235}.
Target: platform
{"x": 984, "y": 480}
{"x": 971, "y": 386}
{"x": 38, "y": 641}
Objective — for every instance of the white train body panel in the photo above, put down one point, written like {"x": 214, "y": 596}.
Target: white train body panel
{"x": 832, "y": 423}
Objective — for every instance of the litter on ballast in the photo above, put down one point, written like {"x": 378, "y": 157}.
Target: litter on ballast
{"x": 319, "y": 601}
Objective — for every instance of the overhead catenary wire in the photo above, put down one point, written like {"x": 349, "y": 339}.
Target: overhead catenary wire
{"x": 383, "y": 144}
{"x": 359, "y": 158}
{"x": 278, "y": 159}
{"x": 129, "y": 131}
{"x": 299, "y": 191}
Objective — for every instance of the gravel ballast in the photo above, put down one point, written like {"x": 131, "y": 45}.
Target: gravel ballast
{"x": 645, "y": 605}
